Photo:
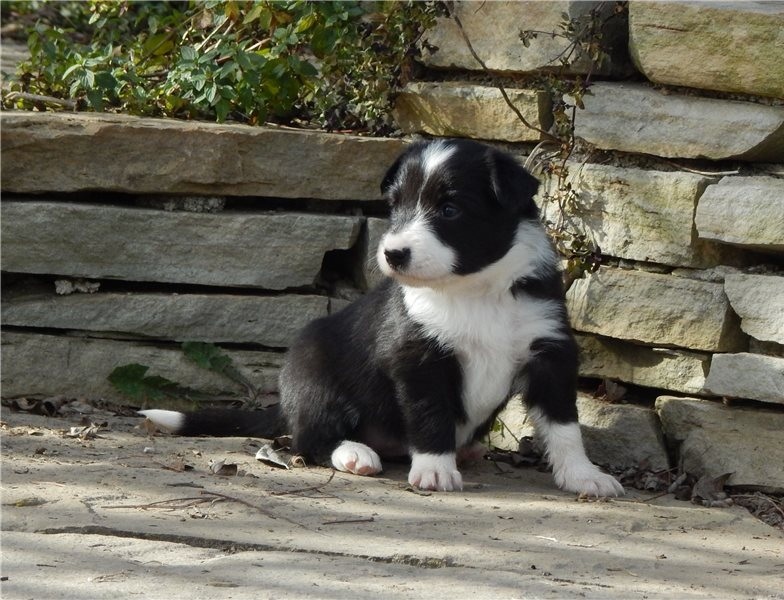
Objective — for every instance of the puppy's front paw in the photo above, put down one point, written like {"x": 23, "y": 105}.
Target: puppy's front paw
{"x": 587, "y": 480}
{"x": 353, "y": 457}
{"x": 437, "y": 472}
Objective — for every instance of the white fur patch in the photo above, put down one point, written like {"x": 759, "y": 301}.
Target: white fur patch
{"x": 489, "y": 329}
{"x": 434, "y": 155}
{"x": 572, "y": 470}
{"x": 437, "y": 472}
{"x": 353, "y": 457}
{"x": 168, "y": 420}
{"x": 431, "y": 259}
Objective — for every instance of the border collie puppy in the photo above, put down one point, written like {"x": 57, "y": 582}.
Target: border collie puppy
{"x": 471, "y": 313}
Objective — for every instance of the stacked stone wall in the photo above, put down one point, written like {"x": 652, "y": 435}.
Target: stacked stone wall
{"x": 239, "y": 236}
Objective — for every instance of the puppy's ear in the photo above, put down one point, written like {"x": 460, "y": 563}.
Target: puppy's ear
{"x": 513, "y": 186}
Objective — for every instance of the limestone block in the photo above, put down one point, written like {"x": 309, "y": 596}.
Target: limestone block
{"x": 615, "y": 435}
{"x": 662, "y": 368}
{"x": 659, "y": 310}
{"x": 637, "y": 214}
{"x": 746, "y": 375}
{"x": 68, "y": 152}
{"x": 759, "y": 301}
{"x": 744, "y": 211}
{"x": 272, "y": 250}
{"x": 494, "y": 31}
{"x": 455, "y": 109}
{"x": 51, "y": 365}
{"x": 271, "y": 321}
{"x": 713, "y": 439}
{"x": 621, "y": 435}
{"x": 636, "y": 118}
{"x": 727, "y": 46}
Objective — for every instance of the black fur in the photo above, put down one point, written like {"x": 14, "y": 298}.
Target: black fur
{"x": 370, "y": 373}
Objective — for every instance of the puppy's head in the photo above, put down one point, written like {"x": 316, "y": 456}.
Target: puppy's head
{"x": 456, "y": 207}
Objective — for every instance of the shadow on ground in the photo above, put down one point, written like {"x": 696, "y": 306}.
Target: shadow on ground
{"x": 127, "y": 514}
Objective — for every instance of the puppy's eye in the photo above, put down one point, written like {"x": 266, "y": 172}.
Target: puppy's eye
{"x": 449, "y": 211}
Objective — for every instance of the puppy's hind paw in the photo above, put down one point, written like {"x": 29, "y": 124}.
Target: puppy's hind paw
{"x": 353, "y": 457}
{"x": 436, "y": 472}
{"x": 587, "y": 480}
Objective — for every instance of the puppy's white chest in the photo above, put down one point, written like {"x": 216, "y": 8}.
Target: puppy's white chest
{"x": 491, "y": 337}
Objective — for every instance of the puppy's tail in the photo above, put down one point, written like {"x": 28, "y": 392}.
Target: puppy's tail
{"x": 220, "y": 422}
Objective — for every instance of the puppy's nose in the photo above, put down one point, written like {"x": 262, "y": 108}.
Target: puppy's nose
{"x": 398, "y": 259}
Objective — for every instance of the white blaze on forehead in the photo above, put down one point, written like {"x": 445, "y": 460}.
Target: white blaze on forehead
{"x": 434, "y": 155}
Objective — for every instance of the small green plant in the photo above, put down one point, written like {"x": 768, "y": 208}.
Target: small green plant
{"x": 133, "y": 381}
{"x": 335, "y": 64}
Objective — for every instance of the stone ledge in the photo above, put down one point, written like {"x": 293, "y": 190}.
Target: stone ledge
{"x": 759, "y": 301}
{"x": 494, "y": 31}
{"x": 619, "y": 436}
{"x": 744, "y": 211}
{"x": 454, "y": 109}
{"x": 273, "y": 250}
{"x": 636, "y": 118}
{"x": 746, "y": 375}
{"x": 713, "y": 439}
{"x": 639, "y": 214}
{"x": 726, "y": 46}
{"x": 69, "y": 152}
{"x": 268, "y": 321}
{"x": 649, "y": 308}
{"x": 49, "y": 365}
{"x": 661, "y": 368}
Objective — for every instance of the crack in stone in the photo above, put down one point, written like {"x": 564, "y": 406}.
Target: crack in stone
{"x": 426, "y": 562}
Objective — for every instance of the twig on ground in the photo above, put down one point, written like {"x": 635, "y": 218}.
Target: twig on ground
{"x": 340, "y": 522}
{"x": 312, "y": 488}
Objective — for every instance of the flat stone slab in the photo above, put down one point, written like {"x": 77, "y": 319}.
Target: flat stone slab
{"x": 269, "y": 250}
{"x": 649, "y": 308}
{"x": 662, "y": 368}
{"x": 759, "y": 301}
{"x": 649, "y": 121}
{"x": 621, "y": 435}
{"x": 271, "y": 321}
{"x": 69, "y": 152}
{"x": 637, "y": 214}
{"x": 727, "y": 46}
{"x": 458, "y": 109}
{"x": 617, "y": 436}
{"x": 746, "y": 375}
{"x": 713, "y": 439}
{"x": 112, "y": 517}
{"x": 743, "y": 211}
{"x": 36, "y": 364}
{"x": 494, "y": 31}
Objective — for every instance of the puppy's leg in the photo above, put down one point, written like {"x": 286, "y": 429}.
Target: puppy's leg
{"x": 429, "y": 392}
{"x": 551, "y": 394}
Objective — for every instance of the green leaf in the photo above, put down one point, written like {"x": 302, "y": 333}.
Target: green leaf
{"x": 105, "y": 80}
{"x": 206, "y": 356}
{"x": 255, "y": 13}
{"x": 131, "y": 381}
{"x": 95, "y": 97}
{"x": 188, "y": 53}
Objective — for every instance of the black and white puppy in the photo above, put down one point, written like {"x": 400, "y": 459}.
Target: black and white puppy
{"x": 471, "y": 313}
